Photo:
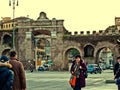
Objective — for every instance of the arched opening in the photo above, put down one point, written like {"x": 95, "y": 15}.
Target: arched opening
{"x": 7, "y": 40}
{"x": 43, "y": 51}
{"x": 105, "y": 58}
{"x": 88, "y": 51}
{"x": 69, "y": 56}
{"x": 41, "y": 42}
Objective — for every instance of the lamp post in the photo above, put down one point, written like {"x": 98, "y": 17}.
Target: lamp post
{"x": 13, "y": 32}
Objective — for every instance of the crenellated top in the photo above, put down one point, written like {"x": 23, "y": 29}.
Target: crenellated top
{"x": 100, "y": 32}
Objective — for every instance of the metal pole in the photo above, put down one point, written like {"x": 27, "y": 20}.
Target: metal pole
{"x": 35, "y": 57}
{"x": 13, "y": 25}
{"x": 13, "y": 31}
{"x": 36, "y": 53}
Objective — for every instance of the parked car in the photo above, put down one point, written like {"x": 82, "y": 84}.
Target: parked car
{"x": 111, "y": 67}
{"x": 41, "y": 68}
{"x": 94, "y": 68}
{"x": 45, "y": 66}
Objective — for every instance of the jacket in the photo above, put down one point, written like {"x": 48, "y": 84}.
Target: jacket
{"x": 82, "y": 71}
{"x": 19, "y": 82}
{"x": 117, "y": 70}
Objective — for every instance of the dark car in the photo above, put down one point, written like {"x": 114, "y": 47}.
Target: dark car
{"x": 44, "y": 67}
{"x": 93, "y": 68}
{"x": 40, "y": 68}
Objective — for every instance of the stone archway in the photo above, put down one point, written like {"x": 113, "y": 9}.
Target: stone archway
{"x": 88, "y": 51}
{"x": 66, "y": 58}
{"x": 42, "y": 46}
{"x": 102, "y": 45}
{"x": 7, "y": 40}
{"x": 97, "y": 55}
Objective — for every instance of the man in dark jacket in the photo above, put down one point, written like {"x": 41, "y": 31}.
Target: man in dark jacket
{"x": 117, "y": 72}
{"x": 6, "y": 75}
{"x": 19, "y": 82}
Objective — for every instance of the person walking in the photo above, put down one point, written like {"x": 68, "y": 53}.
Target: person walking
{"x": 31, "y": 68}
{"x": 117, "y": 72}
{"x": 19, "y": 82}
{"x": 6, "y": 75}
{"x": 78, "y": 69}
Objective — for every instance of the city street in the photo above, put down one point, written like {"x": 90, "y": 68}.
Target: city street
{"x": 55, "y": 80}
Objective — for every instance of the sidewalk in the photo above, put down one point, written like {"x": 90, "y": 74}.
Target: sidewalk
{"x": 59, "y": 81}
{"x": 102, "y": 81}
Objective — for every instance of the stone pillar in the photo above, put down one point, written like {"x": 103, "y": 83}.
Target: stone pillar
{"x": 28, "y": 45}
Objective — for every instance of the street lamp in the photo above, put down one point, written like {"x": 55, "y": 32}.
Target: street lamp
{"x": 13, "y": 33}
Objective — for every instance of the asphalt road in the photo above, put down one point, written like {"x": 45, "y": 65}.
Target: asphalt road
{"x": 59, "y": 81}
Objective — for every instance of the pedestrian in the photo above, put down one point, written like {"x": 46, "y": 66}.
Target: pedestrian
{"x": 31, "y": 68}
{"x": 19, "y": 82}
{"x": 78, "y": 69}
{"x": 6, "y": 75}
{"x": 117, "y": 72}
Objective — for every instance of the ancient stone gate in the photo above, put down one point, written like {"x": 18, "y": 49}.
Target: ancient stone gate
{"x": 48, "y": 39}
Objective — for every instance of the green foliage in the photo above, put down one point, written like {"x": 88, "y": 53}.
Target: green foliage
{"x": 74, "y": 52}
{"x": 66, "y": 35}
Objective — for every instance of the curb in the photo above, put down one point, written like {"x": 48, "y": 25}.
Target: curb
{"x": 110, "y": 81}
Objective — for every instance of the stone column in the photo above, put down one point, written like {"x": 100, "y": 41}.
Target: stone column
{"x": 28, "y": 46}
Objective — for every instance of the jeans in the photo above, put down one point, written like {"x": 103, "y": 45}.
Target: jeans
{"x": 77, "y": 86}
{"x": 118, "y": 86}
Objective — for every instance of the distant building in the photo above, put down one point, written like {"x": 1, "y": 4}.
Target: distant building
{"x": 7, "y": 23}
{"x": 117, "y": 22}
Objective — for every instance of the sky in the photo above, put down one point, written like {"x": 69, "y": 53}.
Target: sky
{"x": 78, "y": 15}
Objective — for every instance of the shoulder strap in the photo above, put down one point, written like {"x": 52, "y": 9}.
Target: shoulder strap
{"x": 76, "y": 67}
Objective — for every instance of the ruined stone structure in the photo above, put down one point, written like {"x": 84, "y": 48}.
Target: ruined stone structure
{"x": 32, "y": 35}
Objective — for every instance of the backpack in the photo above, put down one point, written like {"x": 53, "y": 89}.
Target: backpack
{"x": 9, "y": 81}
{"x": 85, "y": 74}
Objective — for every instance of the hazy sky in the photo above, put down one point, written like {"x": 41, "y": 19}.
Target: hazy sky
{"x": 78, "y": 15}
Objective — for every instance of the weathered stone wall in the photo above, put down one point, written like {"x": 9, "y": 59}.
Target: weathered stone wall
{"x": 38, "y": 27}
{"x": 61, "y": 43}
